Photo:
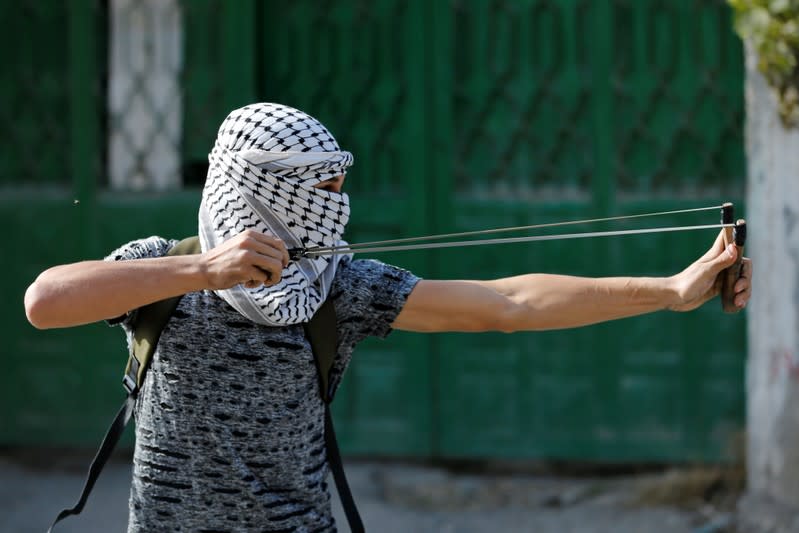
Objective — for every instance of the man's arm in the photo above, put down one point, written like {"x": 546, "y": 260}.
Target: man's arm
{"x": 89, "y": 291}
{"x": 546, "y": 301}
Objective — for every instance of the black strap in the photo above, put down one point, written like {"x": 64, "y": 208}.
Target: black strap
{"x": 323, "y": 337}
{"x": 337, "y": 467}
{"x": 322, "y": 334}
{"x": 150, "y": 321}
{"x": 106, "y": 448}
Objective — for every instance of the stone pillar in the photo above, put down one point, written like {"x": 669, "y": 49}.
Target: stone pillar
{"x": 772, "y": 214}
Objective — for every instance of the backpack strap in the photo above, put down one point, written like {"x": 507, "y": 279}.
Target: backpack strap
{"x": 110, "y": 440}
{"x": 150, "y": 320}
{"x": 322, "y": 334}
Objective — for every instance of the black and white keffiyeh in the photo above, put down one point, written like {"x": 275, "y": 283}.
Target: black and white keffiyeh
{"x": 264, "y": 164}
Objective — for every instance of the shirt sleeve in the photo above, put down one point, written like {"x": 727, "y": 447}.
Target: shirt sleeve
{"x": 138, "y": 249}
{"x": 368, "y": 296}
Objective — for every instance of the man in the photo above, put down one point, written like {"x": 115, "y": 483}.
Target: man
{"x": 229, "y": 432}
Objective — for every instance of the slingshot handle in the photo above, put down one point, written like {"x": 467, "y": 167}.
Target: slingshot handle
{"x": 731, "y": 274}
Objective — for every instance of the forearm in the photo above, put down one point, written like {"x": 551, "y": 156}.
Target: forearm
{"x": 545, "y": 301}
{"x": 89, "y": 291}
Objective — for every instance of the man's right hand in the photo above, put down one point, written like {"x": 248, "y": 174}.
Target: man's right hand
{"x": 250, "y": 257}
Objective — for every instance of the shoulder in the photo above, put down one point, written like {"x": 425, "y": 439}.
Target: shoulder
{"x": 371, "y": 293}
{"x": 149, "y": 247}
{"x": 371, "y": 274}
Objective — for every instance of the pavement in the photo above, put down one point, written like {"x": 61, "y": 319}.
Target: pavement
{"x": 396, "y": 497}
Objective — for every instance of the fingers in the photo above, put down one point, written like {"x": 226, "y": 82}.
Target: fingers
{"x": 252, "y": 284}
{"x": 266, "y": 269}
{"x": 724, "y": 258}
{"x": 265, "y": 255}
{"x": 250, "y": 258}
{"x": 254, "y": 276}
{"x": 269, "y": 245}
{"x": 715, "y": 249}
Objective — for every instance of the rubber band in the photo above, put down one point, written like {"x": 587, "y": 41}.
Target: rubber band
{"x": 353, "y": 247}
{"x": 507, "y": 240}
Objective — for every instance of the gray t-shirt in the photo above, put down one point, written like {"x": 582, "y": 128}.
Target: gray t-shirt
{"x": 229, "y": 421}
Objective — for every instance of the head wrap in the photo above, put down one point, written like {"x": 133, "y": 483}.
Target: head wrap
{"x": 263, "y": 168}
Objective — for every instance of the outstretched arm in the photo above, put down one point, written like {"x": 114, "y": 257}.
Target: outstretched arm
{"x": 546, "y": 301}
{"x": 80, "y": 293}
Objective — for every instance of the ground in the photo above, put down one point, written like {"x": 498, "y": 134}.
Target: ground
{"x": 403, "y": 497}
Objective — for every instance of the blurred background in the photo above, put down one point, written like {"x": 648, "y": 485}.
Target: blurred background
{"x": 462, "y": 115}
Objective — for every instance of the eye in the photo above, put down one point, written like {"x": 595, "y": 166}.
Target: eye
{"x": 331, "y": 185}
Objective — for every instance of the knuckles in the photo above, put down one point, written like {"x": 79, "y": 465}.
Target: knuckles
{"x": 239, "y": 260}
{"x": 251, "y": 237}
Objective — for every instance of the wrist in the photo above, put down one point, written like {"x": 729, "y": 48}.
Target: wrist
{"x": 670, "y": 290}
{"x": 201, "y": 273}
{"x": 191, "y": 273}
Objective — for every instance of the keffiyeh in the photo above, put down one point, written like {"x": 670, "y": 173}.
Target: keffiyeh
{"x": 264, "y": 164}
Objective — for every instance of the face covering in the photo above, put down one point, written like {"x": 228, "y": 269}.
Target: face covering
{"x": 262, "y": 169}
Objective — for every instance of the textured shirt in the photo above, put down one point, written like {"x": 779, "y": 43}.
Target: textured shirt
{"x": 229, "y": 420}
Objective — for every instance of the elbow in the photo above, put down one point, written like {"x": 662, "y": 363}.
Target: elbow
{"x": 515, "y": 316}
{"x": 36, "y": 306}
{"x": 509, "y": 318}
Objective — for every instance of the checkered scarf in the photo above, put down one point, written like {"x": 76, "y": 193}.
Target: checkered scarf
{"x": 263, "y": 166}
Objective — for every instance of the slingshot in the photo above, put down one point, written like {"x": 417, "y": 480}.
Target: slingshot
{"x": 735, "y": 232}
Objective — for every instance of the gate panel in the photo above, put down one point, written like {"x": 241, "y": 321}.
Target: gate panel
{"x": 678, "y": 101}
{"x": 610, "y": 112}
{"x": 48, "y": 173}
{"x": 34, "y": 93}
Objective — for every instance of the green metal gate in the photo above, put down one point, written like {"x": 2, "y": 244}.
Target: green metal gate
{"x": 468, "y": 115}
{"x": 462, "y": 115}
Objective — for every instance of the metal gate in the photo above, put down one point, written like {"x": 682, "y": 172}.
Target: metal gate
{"x": 468, "y": 115}
{"x": 461, "y": 115}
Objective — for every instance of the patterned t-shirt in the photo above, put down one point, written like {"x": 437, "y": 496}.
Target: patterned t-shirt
{"x": 229, "y": 421}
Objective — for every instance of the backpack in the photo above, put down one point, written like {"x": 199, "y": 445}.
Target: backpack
{"x": 149, "y": 322}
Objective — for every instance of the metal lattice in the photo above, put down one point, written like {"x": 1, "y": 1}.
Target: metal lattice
{"x": 144, "y": 94}
{"x": 677, "y": 98}
{"x": 349, "y": 65}
{"x": 529, "y": 81}
{"x": 522, "y": 97}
